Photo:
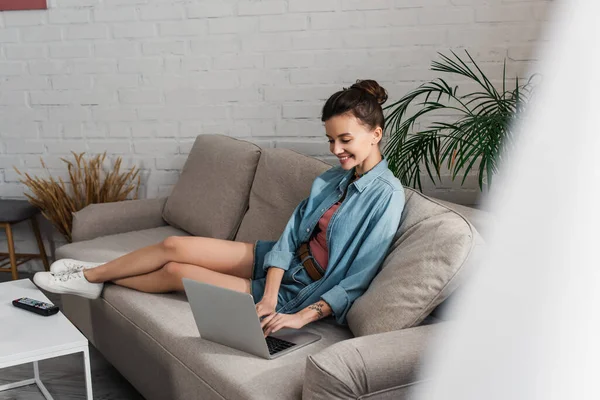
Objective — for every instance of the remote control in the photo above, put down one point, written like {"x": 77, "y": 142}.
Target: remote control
{"x": 36, "y": 306}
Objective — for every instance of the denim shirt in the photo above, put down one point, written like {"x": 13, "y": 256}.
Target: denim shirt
{"x": 359, "y": 235}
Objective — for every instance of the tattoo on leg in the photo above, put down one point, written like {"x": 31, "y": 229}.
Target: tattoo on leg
{"x": 318, "y": 308}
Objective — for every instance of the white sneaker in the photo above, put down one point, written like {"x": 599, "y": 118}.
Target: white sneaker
{"x": 70, "y": 282}
{"x": 68, "y": 264}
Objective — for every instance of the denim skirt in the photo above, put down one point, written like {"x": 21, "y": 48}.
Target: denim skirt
{"x": 295, "y": 278}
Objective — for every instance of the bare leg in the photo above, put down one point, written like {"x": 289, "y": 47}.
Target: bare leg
{"x": 169, "y": 278}
{"x": 138, "y": 262}
{"x": 223, "y": 256}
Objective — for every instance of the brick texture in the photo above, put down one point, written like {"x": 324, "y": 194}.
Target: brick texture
{"x": 141, "y": 79}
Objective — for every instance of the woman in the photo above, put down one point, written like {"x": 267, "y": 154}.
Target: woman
{"x": 348, "y": 222}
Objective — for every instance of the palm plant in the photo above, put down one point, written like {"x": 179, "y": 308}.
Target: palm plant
{"x": 482, "y": 131}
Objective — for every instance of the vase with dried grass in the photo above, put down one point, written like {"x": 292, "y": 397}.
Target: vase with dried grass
{"x": 89, "y": 183}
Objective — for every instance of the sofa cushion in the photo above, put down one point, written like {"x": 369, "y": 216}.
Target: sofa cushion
{"x": 107, "y": 248}
{"x": 167, "y": 319}
{"x": 433, "y": 249}
{"x": 483, "y": 221}
{"x": 211, "y": 195}
{"x": 283, "y": 179}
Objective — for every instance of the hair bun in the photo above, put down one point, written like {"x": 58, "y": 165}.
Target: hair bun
{"x": 372, "y": 87}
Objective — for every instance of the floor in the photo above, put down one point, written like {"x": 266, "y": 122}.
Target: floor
{"x": 64, "y": 376}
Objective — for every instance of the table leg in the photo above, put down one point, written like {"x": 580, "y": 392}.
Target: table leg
{"x": 88, "y": 373}
{"x": 38, "y": 381}
{"x": 14, "y": 385}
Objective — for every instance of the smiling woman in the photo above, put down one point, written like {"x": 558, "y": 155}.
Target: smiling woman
{"x": 331, "y": 248}
{"x": 7, "y": 5}
{"x": 354, "y": 124}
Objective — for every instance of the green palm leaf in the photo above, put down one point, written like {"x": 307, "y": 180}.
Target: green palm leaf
{"x": 481, "y": 132}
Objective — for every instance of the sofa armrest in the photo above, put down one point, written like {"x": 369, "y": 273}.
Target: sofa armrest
{"x": 118, "y": 217}
{"x": 384, "y": 363}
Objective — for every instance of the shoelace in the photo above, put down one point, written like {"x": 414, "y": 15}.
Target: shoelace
{"x": 71, "y": 267}
{"x": 65, "y": 276}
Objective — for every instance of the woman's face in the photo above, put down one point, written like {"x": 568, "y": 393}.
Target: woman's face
{"x": 350, "y": 142}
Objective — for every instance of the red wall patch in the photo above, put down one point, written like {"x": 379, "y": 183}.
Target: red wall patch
{"x": 6, "y": 5}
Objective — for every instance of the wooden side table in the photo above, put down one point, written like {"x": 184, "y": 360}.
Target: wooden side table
{"x": 13, "y": 212}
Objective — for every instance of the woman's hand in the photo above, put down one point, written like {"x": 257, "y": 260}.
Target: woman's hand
{"x": 266, "y": 307}
{"x": 277, "y": 321}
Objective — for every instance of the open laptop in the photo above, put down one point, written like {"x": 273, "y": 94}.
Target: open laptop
{"x": 228, "y": 317}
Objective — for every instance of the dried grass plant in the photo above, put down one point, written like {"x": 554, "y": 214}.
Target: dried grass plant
{"x": 89, "y": 184}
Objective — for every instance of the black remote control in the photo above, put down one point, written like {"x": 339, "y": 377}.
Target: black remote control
{"x": 36, "y": 306}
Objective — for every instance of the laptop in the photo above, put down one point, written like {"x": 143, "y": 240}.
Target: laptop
{"x": 229, "y": 318}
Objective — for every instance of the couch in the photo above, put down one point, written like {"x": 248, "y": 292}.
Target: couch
{"x": 233, "y": 189}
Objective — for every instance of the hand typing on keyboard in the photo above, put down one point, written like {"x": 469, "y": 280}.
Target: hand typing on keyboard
{"x": 265, "y": 308}
{"x": 276, "y": 321}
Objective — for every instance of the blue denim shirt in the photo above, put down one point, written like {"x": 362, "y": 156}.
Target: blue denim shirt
{"x": 359, "y": 235}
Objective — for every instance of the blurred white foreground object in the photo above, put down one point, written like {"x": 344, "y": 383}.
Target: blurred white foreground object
{"x": 529, "y": 323}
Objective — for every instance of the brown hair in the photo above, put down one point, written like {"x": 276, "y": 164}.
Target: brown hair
{"x": 363, "y": 99}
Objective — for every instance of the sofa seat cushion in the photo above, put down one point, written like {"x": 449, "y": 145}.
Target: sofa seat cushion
{"x": 433, "y": 251}
{"x": 283, "y": 179}
{"x": 107, "y": 248}
{"x": 168, "y": 319}
{"x": 211, "y": 195}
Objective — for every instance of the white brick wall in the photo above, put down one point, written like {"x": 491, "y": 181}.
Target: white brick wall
{"x": 142, "y": 78}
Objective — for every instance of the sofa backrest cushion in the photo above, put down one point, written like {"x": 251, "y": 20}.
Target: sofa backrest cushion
{"x": 283, "y": 179}
{"x": 211, "y": 195}
{"x": 434, "y": 249}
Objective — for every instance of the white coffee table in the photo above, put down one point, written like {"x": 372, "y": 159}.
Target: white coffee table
{"x": 27, "y": 337}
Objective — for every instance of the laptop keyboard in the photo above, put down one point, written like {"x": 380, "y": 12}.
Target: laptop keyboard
{"x": 276, "y": 345}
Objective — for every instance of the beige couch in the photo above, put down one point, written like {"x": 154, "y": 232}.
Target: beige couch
{"x": 232, "y": 189}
